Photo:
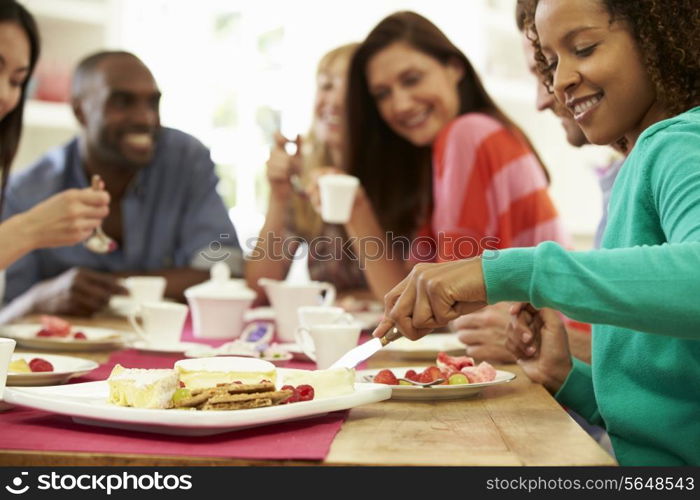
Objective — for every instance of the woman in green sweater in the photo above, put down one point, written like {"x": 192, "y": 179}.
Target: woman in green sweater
{"x": 628, "y": 72}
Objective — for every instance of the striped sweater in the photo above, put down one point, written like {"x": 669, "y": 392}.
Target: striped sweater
{"x": 489, "y": 192}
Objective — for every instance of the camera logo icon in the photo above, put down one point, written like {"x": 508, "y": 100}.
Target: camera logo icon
{"x": 217, "y": 252}
{"x": 17, "y": 488}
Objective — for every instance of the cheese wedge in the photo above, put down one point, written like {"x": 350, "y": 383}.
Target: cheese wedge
{"x": 326, "y": 383}
{"x": 142, "y": 388}
{"x": 201, "y": 373}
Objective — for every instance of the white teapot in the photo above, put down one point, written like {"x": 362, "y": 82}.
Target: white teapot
{"x": 218, "y": 305}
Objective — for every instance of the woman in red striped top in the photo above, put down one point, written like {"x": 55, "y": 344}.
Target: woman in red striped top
{"x": 444, "y": 173}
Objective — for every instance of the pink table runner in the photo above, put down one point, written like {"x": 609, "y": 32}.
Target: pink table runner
{"x": 26, "y": 429}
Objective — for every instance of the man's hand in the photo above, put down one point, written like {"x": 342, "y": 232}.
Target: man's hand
{"x": 537, "y": 338}
{"x": 76, "y": 292}
{"x": 485, "y": 332}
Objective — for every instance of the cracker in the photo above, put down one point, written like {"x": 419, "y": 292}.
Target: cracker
{"x": 234, "y": 397}
{"x": 240, "y": 405}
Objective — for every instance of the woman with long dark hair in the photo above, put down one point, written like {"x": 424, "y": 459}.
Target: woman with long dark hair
{"x": 444, "y": 173}
{"x": 66, "y": 218}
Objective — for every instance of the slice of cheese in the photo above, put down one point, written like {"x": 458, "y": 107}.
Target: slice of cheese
{"x": 326, "y": 383}
{"x": 201, "y": 373}
{"x": 142, "y": 388}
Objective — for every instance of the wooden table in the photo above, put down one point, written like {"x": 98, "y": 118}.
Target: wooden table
{"x": 517, "y": 423}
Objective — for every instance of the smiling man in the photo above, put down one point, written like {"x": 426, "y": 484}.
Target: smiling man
{"x": 165, "y": 213}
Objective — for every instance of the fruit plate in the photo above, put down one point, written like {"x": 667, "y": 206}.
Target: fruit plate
{"x": 87, "y": 404}
{"x": 64, "y": 368}
{"x": 410, "y": 392}
{"x": 96, "y": 338}
{"x": 426, "y": 348}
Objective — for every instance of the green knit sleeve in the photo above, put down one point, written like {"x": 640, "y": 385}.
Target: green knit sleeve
{"x": 577, "y": 393}
{"x": 652, "y": 289}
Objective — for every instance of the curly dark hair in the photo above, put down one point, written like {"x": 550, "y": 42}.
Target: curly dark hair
{"x": 668, "y": 35}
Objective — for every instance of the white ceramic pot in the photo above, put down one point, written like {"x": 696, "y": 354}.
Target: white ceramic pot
{"x": 218, "y": 305}
{"x": 287, "y": 297}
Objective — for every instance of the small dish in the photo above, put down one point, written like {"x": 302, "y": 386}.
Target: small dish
{"x": 65, "y": 368}
{"x": 426, "y": 348}
{"x": 435, "y": 392}
{"x": 169, "y": 347}
{"x": 95, "y": 338}
{"x": 274, "y": 356}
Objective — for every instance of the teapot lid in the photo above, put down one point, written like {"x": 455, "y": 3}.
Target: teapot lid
{"x": 221, "y": 286}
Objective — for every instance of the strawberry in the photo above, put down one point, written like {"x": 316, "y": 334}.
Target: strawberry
{"x": 430, "y": 373}
{"x": 79, "y": 336}
{"x": 44, "y": 333}
{"x": 411, "y": 375}
{"x": 291, "y": 399}
{"x": 40, "y": 365}
{"x": 306, "y": 392}
{"x": 385, "y": 377}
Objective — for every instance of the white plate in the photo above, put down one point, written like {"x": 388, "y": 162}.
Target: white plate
{"x": 64, "y": 368}
{"x": 426, "y": 348}
{"x": 295, "y": 351}
{"x": 169, "y": 347}
{"x": 412, "y": 392}
{"x": 204, "y": 352}
{"x": 97, "y": 338}
{"x": 87, "y": 404}
{"x": 368, "y": 319}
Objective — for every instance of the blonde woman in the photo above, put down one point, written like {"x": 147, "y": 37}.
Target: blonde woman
{"x": 291, "y": 217}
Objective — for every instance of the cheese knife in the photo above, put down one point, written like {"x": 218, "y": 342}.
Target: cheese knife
{"x": 358, "y": 354}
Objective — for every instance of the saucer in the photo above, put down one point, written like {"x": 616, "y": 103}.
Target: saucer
{"x": 169, "y": 347}
{"x": 296, "y": 351}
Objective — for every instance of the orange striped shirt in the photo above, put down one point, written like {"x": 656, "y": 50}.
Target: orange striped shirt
{"x": 489, "y": 192}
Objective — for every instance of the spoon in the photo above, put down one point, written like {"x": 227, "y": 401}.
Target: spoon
{"x": 437, "y": 381}
{"x": 298, "y": 187}
{"x": 99, "y": 242}
{"x": 422, "y": 384}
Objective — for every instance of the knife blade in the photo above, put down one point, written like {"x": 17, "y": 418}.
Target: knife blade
{"x": 358, "y": 354}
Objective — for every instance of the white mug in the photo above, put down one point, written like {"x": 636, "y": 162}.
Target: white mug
{"x": 145, "y": 288}
{"x": 7, "y": 347}
{"x": 162, "y": 322}
{"x": 337, "y": 193}
{"x": 286, "y": 298}
{"x": 325, "y": 344}
{"x": 323, "y": 315}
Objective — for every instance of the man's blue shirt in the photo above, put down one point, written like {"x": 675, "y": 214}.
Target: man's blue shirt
{"x": 172, "y": 215}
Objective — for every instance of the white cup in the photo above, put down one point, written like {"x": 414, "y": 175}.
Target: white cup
{"x": 162, "y": 322}
{"x": 286, "y": 298}
{"x": 145, "y": 288}
{"x": 323, "y": 315}
{"x": 337, "y": 197}
{"x": 7, "y": 347}
{"x": 325, "y": 344}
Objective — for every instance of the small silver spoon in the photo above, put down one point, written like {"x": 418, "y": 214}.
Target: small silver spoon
{"x": 99, "y": 242}
{"x": 297, "y": 185}
{"x": 370, "y": 378}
